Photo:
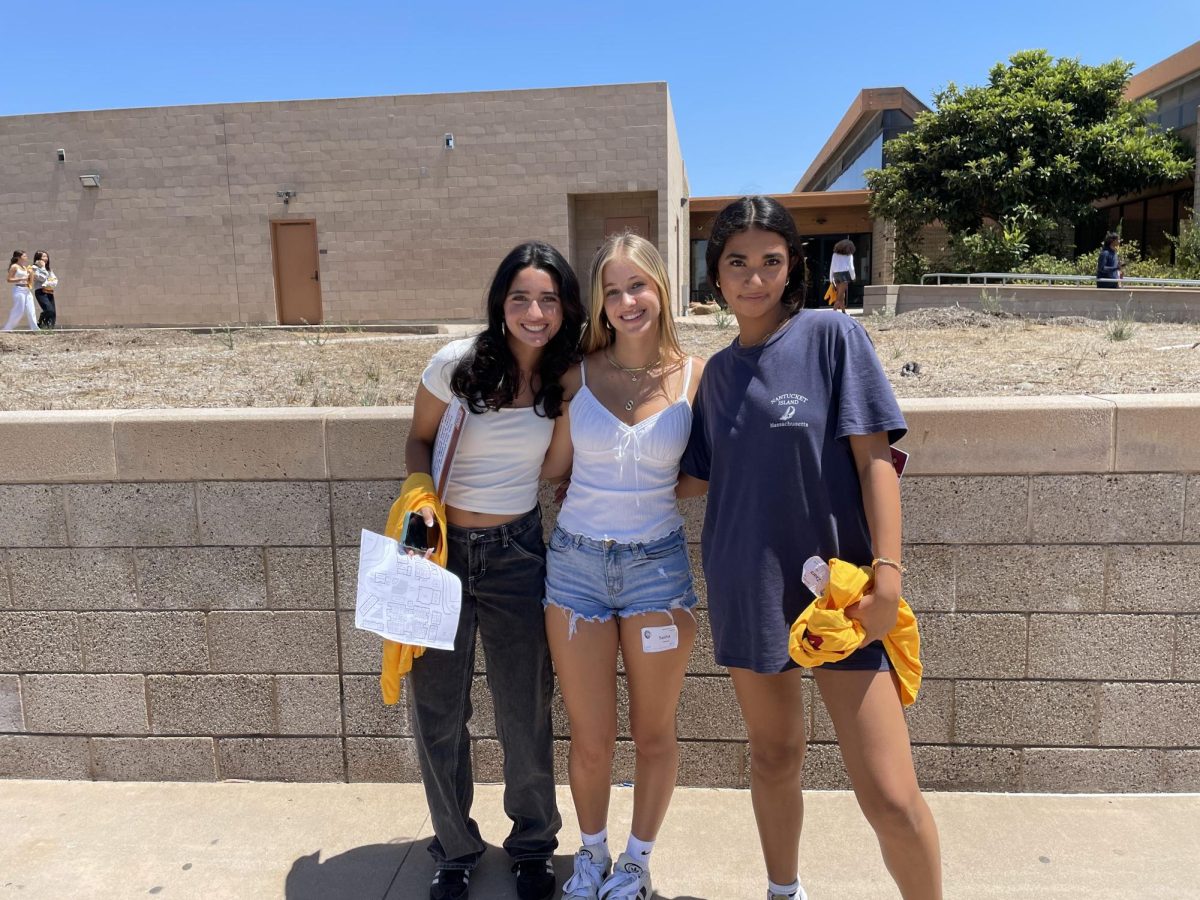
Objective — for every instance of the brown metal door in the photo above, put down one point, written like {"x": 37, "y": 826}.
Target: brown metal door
{"x": 297, "y": 272}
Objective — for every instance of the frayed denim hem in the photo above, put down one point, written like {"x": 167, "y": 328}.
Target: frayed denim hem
{"x": 687, "y": 602}
{"x": 576, "y": 617}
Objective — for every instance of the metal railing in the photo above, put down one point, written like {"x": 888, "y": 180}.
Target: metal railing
{"x": 1011, "y": 277}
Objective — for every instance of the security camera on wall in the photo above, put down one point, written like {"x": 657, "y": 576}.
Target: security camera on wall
{"x": 62, "y": 154}
{"x": 449, "y": 139}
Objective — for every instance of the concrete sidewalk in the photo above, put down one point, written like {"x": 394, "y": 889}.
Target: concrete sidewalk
{"x": 62, "y": 840}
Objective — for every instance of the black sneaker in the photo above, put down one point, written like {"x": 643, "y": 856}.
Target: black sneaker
{"x": 450, "y": 884}
{"x": 535, "y": 879}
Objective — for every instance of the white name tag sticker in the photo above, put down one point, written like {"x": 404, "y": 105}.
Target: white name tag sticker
{"x": 815, "y": 575}
{"x": 660, "y": 638}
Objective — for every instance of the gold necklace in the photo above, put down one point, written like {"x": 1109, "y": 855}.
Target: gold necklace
{"x": 766, "y": 337}
{"x": 634, "y": 372}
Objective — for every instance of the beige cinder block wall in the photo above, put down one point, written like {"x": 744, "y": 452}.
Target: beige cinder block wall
{"x": 1144, "y": 304}
{"x": 179, "y": 230}
{"x": 176, "y": 593}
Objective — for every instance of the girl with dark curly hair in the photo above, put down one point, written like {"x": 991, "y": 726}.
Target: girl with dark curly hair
{"x": 790, "y": 435}
{"x": 508, "y": 378}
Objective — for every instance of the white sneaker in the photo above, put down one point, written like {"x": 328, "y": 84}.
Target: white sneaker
{"x": 799, "y": 895}
{"x": 628, "y": 881}
{"x": 590, "y": 872}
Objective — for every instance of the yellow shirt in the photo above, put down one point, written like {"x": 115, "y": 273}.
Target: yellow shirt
{"x": 417, "y": 491}
{"x": 824, "y": 633}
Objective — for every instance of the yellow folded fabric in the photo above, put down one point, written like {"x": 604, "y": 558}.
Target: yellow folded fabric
{"x": 417, "y": 491}
{"x": 824, "y": 633}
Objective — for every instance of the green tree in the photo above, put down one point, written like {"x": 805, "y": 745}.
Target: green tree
{"x": 1013, "y": 161}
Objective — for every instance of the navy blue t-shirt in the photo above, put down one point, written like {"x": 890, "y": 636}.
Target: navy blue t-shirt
{"x": 770, "y": 434}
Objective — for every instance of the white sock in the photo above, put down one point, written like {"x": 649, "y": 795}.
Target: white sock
{"x": 792, "y": 890}
{"x": 639, "y": 850}
{"x": 596, "y": 843}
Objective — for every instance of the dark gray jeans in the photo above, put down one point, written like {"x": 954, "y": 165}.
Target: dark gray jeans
{"x": 503, "y": 572}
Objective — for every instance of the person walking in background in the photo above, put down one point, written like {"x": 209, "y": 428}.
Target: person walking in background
{"x": 508, "y": 377}
{"x": 618, "y": 575}
{"x": 790, "y": 436}
{"x": 841, "y": 272}
{"x": 1108, "y": 267}
{"x": 44, "y": 283}
{"x": 20, "y": 276}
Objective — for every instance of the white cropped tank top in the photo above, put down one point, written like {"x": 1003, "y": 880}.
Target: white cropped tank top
{"x": 623, "y": 477}
{"x": 500, "y": 454}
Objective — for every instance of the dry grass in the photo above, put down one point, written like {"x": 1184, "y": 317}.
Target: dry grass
{"x": 958, "y": 352}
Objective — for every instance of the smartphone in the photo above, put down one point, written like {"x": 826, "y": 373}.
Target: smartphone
{"x": 415, "y": 536}
{"x": 899, "y": 461}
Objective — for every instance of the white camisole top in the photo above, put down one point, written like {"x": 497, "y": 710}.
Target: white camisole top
{"x": 623, "y": 477}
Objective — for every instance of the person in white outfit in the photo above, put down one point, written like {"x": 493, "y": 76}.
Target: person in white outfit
{"x": 20, "y": 276}
{"x": 841, "y": 272}
{"x": 617, "y": 569}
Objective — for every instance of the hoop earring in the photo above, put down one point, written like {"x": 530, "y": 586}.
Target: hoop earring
{"x": 717, "y": 284}
{"x": 503, "y": 329}
{"x": 787, "y": 282}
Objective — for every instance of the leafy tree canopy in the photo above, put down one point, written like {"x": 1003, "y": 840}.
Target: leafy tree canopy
{"x": 1030, "y": 150}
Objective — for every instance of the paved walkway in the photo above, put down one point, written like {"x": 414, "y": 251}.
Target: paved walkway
{"x": 61, "y": 840}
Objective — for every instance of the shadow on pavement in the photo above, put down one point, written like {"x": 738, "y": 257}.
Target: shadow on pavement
{"x": 358, "y": 874}
{"x": 396, "y": 872}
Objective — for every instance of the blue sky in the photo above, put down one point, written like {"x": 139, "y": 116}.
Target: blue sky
{"x": 757, "y": 86}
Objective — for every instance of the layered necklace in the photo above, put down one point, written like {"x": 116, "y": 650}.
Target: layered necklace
{"x": 634, "y": 372}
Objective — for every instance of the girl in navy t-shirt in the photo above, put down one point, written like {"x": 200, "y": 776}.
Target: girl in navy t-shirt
{"x": 790, "y": 434}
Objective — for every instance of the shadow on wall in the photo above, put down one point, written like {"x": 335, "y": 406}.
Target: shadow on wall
{"x": 403, "y": 871}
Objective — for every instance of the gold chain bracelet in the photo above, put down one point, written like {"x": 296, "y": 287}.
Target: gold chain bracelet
{"x": 884, "y": 561}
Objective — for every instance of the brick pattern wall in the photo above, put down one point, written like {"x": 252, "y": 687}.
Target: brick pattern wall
{"x": 178, "y": 231}
{"x": 176, "y": 601}
{"x": 589, "y": 211}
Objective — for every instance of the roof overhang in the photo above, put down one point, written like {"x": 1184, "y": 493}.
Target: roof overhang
{"x": 1164, "y": 74}
{"x": 795, "y": 201}
{"x": 868, "y": 102}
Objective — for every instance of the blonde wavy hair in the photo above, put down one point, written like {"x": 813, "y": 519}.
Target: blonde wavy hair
{"x": 645, "y": 256}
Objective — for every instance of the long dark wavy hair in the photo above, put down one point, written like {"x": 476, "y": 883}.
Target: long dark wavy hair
{"x": 769, "y": 215}
{"x": 488, "y": 376}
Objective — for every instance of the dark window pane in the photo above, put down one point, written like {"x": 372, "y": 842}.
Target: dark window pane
{"x": 1160, "y": 222}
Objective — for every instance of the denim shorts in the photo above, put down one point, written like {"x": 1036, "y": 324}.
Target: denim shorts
{"x": 596, "y": 580}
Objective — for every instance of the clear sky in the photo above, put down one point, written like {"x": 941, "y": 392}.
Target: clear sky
{"x": 757, "y": 87}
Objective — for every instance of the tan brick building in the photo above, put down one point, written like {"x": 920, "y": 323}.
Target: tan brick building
{"x": 360, "y": 210}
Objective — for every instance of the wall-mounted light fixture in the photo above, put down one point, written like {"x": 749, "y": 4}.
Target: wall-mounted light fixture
{"x": 62, "y": 154}
{"x": 448, "y": 138}
{"x": 90, "y": 180}
{"x": 285, "y": 196}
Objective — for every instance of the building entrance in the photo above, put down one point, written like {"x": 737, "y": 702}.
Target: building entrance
{"x": 818, "y": 251}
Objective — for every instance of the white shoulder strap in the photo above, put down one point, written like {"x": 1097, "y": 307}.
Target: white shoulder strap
{"x": 687, "y": 380}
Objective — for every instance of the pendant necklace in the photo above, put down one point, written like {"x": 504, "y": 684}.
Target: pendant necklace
{"x": 634, "y": 373}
